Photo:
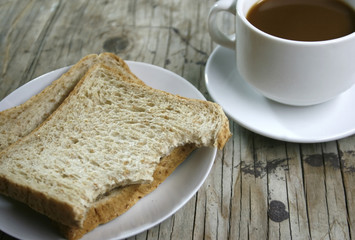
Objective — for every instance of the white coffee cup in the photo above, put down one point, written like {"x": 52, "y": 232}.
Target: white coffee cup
{"x": 292, "y": 72}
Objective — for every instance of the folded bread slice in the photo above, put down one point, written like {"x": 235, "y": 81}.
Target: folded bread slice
{"x": 19, "y": 121}
{"x": 109, "y": 132}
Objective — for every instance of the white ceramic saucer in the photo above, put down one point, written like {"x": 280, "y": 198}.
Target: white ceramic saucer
{"x": 332, "y": 120}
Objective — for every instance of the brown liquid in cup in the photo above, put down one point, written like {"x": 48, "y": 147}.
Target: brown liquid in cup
{"x": 303, "y": 20}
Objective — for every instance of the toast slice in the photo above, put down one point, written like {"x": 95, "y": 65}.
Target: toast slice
{"x": 122, "y": 199}
{"x": 19, "y": 121}
{"x": 108, "y": 133}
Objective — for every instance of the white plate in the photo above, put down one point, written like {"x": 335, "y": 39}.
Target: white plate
{"x": 21, "y": 222}
{"x": 332, "y": 120}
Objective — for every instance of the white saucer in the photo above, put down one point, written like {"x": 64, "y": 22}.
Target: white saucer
{"x": 332, "y": 120}
{"x": 23, "y": 223}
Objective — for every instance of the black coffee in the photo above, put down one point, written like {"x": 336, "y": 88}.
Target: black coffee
{"x": 303, "y": 20}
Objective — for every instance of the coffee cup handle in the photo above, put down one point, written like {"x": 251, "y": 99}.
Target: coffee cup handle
{"x": 215, "y": 32}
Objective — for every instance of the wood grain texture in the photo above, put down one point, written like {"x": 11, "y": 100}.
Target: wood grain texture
{"x": 258, "y": 188}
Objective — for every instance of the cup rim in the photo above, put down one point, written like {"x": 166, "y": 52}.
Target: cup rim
{"x": 284, "y": 40}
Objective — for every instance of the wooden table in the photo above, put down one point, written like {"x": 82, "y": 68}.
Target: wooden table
{"x": 259, "y": 188}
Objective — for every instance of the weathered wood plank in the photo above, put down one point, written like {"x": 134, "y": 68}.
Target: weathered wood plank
{"x": 253, "y": 222}
{"x": 276, "y": 167}
{"x": 299, "y": 226}
{"x": 315, "y": 191}
{"x": 213, "y": 201}
{"x": 347, "y": 161}
{"x": 336, "y": 202}
{"x": 235, "y": 215}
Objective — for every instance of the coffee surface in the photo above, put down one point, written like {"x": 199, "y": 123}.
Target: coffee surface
{"x": 303, "y": 20}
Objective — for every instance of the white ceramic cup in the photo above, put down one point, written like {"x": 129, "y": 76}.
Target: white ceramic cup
{"x": 292, "y": 72}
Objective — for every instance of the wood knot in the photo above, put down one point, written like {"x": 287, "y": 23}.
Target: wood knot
{"x": 318, "y": 160}
{"x": 277, "y": 211}
{"x": 117, "y": 44}
{"x": 315, "y": 160}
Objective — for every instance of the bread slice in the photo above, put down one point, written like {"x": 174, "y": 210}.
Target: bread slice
{"x": 19, "y": 121}
{"x": 108, "y": 133}
{"x": 122, "y": 199}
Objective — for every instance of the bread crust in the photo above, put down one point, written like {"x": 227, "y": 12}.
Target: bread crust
{"x": 37, "y": 201}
